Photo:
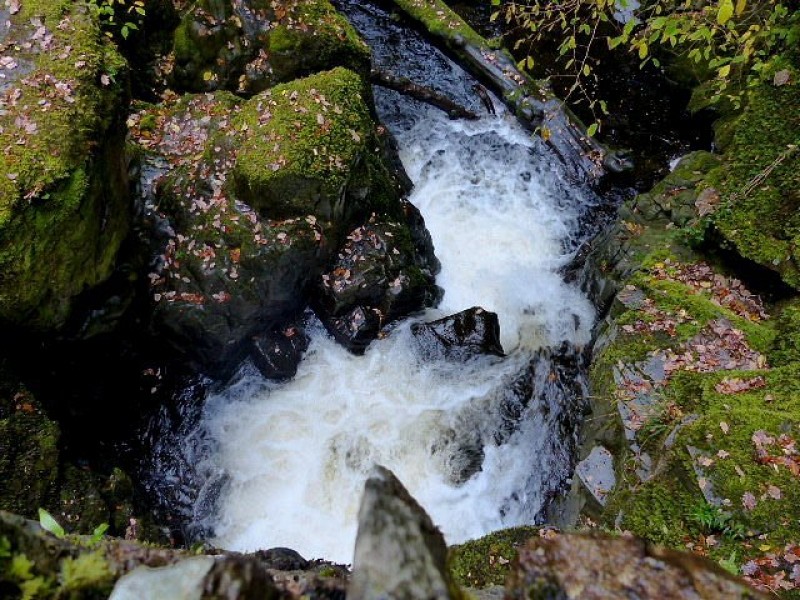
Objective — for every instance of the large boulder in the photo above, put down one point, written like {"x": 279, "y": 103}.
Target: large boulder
{"x": 257, "y": 196}
{"x": 399, "y": 552}
{"x": 64, "y": 202}
{"x": 248, "y": 46}
{"x": 584, "y": 566}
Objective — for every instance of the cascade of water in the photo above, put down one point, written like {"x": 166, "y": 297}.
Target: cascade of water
{"x": 289, "y": 460}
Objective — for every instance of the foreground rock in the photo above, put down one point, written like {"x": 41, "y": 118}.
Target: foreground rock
{"x": 64, "y": 202}
{"x": 36, "y": 564}
{"x": 249, "y": 46}
{"x": 399, "y": 552}
{"x": 582, "y": 566}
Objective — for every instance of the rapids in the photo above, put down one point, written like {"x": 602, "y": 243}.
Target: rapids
{"x": 283, "y": 464}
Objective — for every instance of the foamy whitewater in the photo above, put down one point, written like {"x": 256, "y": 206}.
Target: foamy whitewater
{"x": 296, "y": 455}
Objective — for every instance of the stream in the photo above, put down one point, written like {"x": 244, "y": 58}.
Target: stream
{"x": 482, "y": 444}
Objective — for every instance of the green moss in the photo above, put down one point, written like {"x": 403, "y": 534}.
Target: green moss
{"x": 440, "y": 20}
{"x": 317, "y": 143}
{"x": 292, "y": 40}
{"x": 87, "y": 572}
{"x": 486, "y": 561}
{"x": 63, "y": 207}
{"x": 785, "y": 349}
{"x": 760, "y": 219}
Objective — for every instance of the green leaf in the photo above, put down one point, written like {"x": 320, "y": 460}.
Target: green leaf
{"x": 740, "y": 6}
{"x": 724, "y": 71}
{"x": 48, "y": 523}
{"x": 99, "y": 532}
{"x": 643, "y": 49}
{"x": 592, "y": 129}
{"x": 586, "y": 70}
{"x": 725, "y": 11}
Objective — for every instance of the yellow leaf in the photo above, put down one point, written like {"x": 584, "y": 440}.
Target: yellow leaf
{"x": 740, "y": 6}
{"x": 725, "y": 11}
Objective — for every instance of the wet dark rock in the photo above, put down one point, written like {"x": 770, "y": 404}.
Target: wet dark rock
{"x": 283, "y": 559}
{"x": 278, "y": 352}
{"x": 470, "y": 333}
{"x": 384, "y": 271}
{"x": 399, "y": 552}
{"x": 355, "y": 330}
{"x": 592, "y": 567}
{"x": 236, "y": 577}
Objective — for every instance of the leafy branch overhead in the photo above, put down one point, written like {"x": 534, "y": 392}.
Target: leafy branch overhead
{"x": 118, "y": 16}
{"x": 731, "y": 43}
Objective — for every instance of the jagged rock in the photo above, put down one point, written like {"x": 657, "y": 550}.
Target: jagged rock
{"x": 381, "y": 274}
{"x": 470, "y": 333}
{"x": 248, "y": 46}
{"x": 278, "y": 352}
{"x": 588, "y": 567}
{"x": 64, "y": 200}
{"x": 399, "y": 552}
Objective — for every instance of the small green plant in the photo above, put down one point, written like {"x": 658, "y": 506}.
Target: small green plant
{"x": 5, "y": 547}
{"x": 730, "y": 564}
{"x": 712, "y": 519}
{"x": 98, "y": 533}
{"x": 122, "y": 16}
{"x": 48, "y": 523}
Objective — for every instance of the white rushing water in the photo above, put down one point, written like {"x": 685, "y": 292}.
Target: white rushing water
{"x": 296, "y": 454}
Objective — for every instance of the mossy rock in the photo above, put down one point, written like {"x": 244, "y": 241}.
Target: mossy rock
{"x": 309, "y": 147}
{"x": 29, "y": 453}
{"x": 759, "y": 182}
{"x": 487, "y": 561}
{"x": 221, "y": 44}
{"x": 64, "y": 207}
{"x": 674, "y": 197}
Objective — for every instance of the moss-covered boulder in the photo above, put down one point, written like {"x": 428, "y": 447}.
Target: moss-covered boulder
{"x": 249, "y": 46}
{"x": 759, "y": 181}
{"x": 63, "y": 191}
{"x": 258, "y": 196}
{"x": 677, "y": 198}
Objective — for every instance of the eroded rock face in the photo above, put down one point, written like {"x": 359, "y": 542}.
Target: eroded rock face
{"x": 399, "y": 552}
{"x": 64, "y": 202}
{"x": 248, "y": 46}
{"x": 470, "y": 333}
{"x": 587, "y": 567}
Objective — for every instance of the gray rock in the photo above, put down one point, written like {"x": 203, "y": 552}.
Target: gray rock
{"x": 181, "y": 581}
{"x": 596, "y": 472}
{"x": 399, "y": 553}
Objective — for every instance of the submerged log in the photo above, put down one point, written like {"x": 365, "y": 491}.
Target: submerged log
{"x": 422, "y": 93}
{"x": 537, "y": 108}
